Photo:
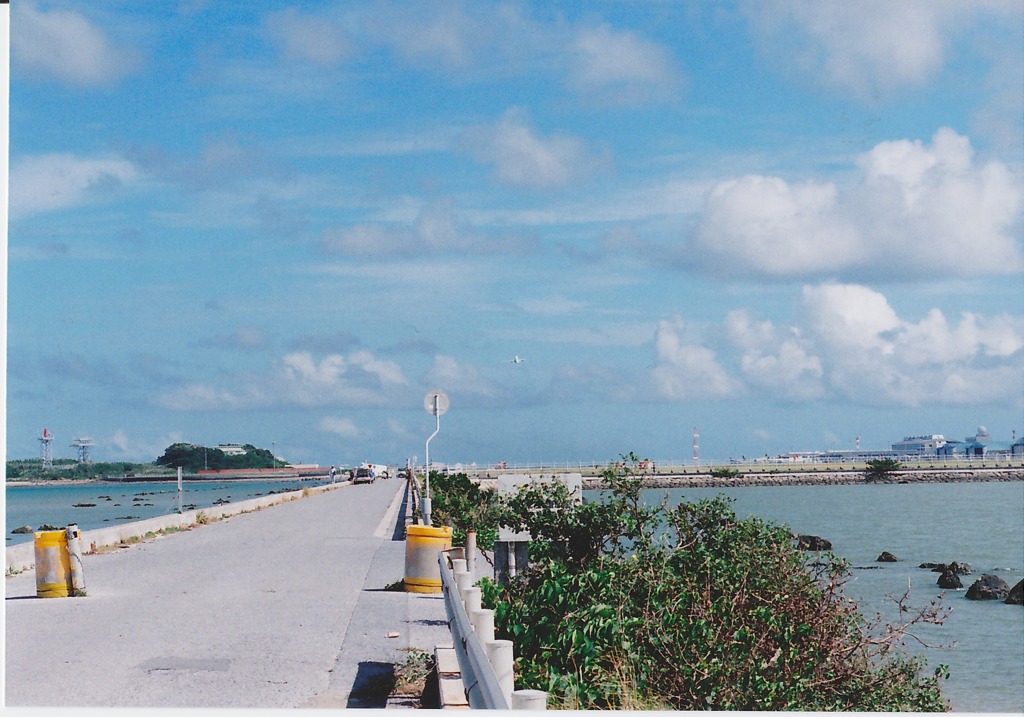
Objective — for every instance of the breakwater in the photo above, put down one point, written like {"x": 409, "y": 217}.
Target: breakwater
{"x": 825, "y": 477}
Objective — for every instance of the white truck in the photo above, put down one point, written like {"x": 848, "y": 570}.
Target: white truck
{"x": 369, "y": 472}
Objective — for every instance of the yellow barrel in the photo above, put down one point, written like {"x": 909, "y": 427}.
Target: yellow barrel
{"x": 423, "y": 547}
{"x": 53, "y": 564}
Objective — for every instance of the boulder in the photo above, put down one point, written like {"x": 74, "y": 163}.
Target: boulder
{"x": 988, "y": 587}
{"x": 958, "y": 568}
{"x": 23, "y": 530}
{"x": 886, "y": 557}
{"x": 961, "y": 568}
{"x": 1016, "y": 594}
{"x": 812, "y": 542}
{"x": 949, "y": 580}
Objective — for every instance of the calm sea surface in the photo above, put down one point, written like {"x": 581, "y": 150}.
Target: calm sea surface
{"x": 978, "y": 523}
{"x": 116, "y": 503}
{"x": 981, "y": 524}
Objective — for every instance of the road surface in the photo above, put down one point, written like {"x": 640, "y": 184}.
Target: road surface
{"x": 286, "y": 607}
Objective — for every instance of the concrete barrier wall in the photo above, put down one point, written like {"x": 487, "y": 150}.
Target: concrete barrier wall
{"x": 23, "y": 556}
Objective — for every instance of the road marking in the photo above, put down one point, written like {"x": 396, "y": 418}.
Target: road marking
{"x": 382, "y": 528}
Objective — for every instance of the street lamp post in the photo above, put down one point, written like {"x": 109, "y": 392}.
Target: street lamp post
{"x": 436, "y": 403}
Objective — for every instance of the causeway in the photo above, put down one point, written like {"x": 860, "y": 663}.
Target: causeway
{"x": 285, "y": 607}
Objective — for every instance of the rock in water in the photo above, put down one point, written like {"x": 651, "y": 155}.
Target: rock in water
{"x": 1016, "y": 596}
{"x": 988, "y": 587}
{"x": 812, "y": 542}
{"x": 886, "y": 557}
{"x": 23, "y": 530}
{"x": 949, "y": 580}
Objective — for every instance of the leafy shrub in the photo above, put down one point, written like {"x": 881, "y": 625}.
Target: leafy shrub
{"x": 881, "y": 469}
{"x": 691, "y": 608}
{"x": 457, "y": 501}
{"x": 725, "y": 473}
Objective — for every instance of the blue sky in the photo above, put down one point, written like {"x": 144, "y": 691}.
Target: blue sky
{"x": 785, "y": 223}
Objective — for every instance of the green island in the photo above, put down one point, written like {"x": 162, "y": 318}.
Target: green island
{"x": 191, "y": 458}
{"x": 632, "y": 606}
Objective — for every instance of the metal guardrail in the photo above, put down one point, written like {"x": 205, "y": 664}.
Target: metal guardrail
{"x": 483, "y": 689}
{"x": 485, "y": 664}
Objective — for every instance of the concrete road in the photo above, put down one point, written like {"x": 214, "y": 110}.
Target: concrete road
{"x": 281, "y": 608}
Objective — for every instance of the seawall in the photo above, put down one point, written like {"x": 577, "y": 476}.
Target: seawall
{"x": 22, "y": 556}
{"x": 836, "y": 477}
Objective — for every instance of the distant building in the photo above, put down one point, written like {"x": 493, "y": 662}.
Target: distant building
{"x": 982, "y": 445}
{"x": 1017, "y": 448}
{"x": 231, "y": 449}
{"x": 919, "y": 445}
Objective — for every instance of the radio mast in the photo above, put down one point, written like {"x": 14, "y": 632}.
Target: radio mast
{"x": 696, "y": 447}
{"x": 46, "y": 449}
{"x": 82, "y": 445}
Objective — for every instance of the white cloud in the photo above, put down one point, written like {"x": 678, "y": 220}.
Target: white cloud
{"x": 437, "y": 228}
{"x": 65, "y": 46}
{"x": 620, "y": 67}
{"x": 297, "y": 379}
{"x": 343, "y": 427}
{"x": 202, "y": 397}
{"x": 551, "y": 305}
{"x": 686, "y": 370}
{"x": 127, "y": 448}
{"x": 770, "y": 226}
{"x": 447, "y": 35}
{"x": 781, "y": 365}
{"x": 869, "y": 48}
{"x": 51, "y": 182}
{"x": 848, "y": 344}
{"x": 521, "y": 158}
{"x": 308, "y": 38}
{"x": 457, "y": 379}
{"x": 871, "y": 355}
{"x": 914, "y": 210}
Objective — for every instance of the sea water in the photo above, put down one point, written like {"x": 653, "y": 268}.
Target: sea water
{"x": 101, "y": 505}
{"x": 981, "y": 524}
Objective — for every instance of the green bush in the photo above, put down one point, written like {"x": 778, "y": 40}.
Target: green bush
{"x": 881, "y": 469}
{"x": 631, "y": 606}
{"x": 458, "y": 502}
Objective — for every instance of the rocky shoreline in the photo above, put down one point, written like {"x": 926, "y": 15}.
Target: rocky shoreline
{"x": 801, "y": 478}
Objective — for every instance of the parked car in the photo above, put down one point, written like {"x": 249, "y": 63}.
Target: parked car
{"x": 364, "y": 474}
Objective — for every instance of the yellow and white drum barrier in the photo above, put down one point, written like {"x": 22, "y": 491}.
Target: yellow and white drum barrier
{"x": 423, "y": 545}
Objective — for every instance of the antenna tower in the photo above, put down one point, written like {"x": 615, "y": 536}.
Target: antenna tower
{"x": 696, "y": 447}
{"x": 46, "y": 449}
{"x": 858, "y": 443}
{"x": 82, "y": 445}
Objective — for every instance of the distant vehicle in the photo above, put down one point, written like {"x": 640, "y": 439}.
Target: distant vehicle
{"x": 363, "y": 474}
{"x": 379, "y": 470}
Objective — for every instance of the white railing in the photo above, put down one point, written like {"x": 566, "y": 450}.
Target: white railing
{"x": 486, "y": 664}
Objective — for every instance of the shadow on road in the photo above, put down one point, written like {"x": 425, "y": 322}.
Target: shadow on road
{"x": 399, "y": 533}
{"x": 372, "y": 685}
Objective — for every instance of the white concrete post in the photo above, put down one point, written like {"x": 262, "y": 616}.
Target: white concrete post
{"x": 499, "y": 654}
{"x": 529, "y": 700}
{"x": 75, "y": 554}
{"x": 464, "y": 581}
{"x": 483, "y": 625}
{"x": 472, "y": 597}
{"x": 471, "y": 552}
{"x": 458, "y": 566}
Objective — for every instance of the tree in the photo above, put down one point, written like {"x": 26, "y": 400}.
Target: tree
{"x": 880, "y": 469}
{"x": 693, "y": 608}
